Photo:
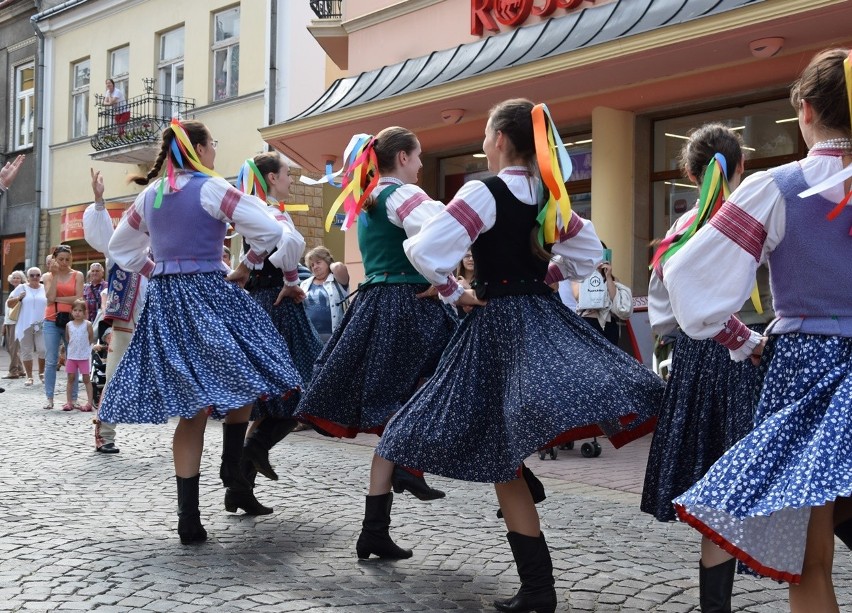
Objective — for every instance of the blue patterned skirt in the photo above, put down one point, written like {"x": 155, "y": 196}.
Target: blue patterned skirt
{"x": 708, "y": 406}
{"x": 522, "y": 373}
{"x": 302, "y": 340}
{"x": 386, "y": 344}
{"x": 201, "y": 342}
{"x": 755, "y": 501}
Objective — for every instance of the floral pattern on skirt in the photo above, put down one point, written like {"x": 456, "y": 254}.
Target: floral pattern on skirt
{"x": 521, "y": 373}
{"x": 302, "y": 340}
{"x": 201, "y": 342}
{"x": 708, "y": 406}
{"x": 386, "y": 344}
{"x": 755, "y": 501}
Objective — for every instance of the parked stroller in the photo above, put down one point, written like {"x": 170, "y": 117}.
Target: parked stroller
{"x": 98, "y": 369}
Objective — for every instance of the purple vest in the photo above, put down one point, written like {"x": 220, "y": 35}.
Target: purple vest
{"x": 810, "y": 269}
{"x": 185, "y": 239}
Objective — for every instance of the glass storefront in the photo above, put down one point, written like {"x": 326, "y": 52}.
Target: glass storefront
{"x": 770, "y": 132}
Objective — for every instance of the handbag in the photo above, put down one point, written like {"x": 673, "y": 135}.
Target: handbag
{"x": 15, "y": 312}
{"x": 62, "y": 317}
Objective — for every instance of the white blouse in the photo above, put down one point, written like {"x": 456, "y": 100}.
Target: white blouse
{"x": 129, "y": 245}
{"x": 442, "y": 242}
{"x": 409, "y": 207}
{"x": 711, "y": 277}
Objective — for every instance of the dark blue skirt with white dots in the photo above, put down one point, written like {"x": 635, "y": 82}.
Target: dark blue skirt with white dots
{"x": 302, "y": 340}
{"x": 387, "y": 343}
{"x": 201, "y": 342}
{"x": 521, "y": 373}
{"x": 708, "y": 406}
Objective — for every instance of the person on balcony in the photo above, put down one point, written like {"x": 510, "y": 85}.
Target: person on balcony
{"x": 114, "y": 98}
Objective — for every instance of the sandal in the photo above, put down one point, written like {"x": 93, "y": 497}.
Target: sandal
{"x": 48, "y": 404}
{"x": 41, "y": 377}
{"x": 86, "y": 408}
{"x": 67, "y": 407}
{"x": 28, "y": 382}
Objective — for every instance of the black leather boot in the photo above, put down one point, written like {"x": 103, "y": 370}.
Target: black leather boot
{"x": 843, "y": 531}
{"x": 238, "y": 492}
{"x": 535, "y": 569}
{"x": 536, "y": 487}
{"x": 403, "y": 480}
{"x": 190, "y": 529}
{"x": 715, "y": 585}
{"x": 375, "y": 538}
{"x": 268, "y": 433}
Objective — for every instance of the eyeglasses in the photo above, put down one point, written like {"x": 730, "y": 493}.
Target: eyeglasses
{"x": 213, "y": 143}
{"x": 468, "y": 256}
{"x": 35, "y": 276}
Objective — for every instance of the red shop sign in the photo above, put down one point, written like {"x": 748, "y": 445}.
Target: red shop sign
{"x": 487, "y": 13}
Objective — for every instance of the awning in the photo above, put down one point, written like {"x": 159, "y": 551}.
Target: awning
{"x": 600, "y": 49}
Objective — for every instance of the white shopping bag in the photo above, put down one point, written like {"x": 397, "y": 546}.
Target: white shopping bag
{"x": 593, "y": 293}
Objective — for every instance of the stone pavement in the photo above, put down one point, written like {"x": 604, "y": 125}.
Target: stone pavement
{"x": 88, "y": 532}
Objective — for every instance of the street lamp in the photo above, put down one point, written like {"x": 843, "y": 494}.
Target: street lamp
{"x": 149, "y": 84}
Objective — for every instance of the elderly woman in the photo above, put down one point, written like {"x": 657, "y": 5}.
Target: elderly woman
{"x": 16, "y": 370}
{"x": 28, "y": 331}
{"x": 325, "y": 291}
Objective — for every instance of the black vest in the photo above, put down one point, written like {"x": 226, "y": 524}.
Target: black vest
{"x": 266, "y": 277}
{"x": 504, "y": 264}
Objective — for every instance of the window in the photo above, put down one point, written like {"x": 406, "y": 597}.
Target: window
{"x": 24, "y": 105}
{"x": 80, "y": 99}
{"x": 171, "y": 70}
{"x": 119, "y": 69}
{"x": 226, "y": 54}
{"x": 770, "y": 131}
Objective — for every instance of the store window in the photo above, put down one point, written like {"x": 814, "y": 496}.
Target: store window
{"x": 770, "y": 132}
{"x": 80, "y": 99}
{"x": 24, "y": 114}
{"x": 457, "y": 170}
{"x": 119, "y": 69}
{"x": 226, "y": 54}
{"x": 170, "y": 69}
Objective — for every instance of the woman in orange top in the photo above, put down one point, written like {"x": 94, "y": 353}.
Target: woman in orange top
{"x": 63, "y": 286}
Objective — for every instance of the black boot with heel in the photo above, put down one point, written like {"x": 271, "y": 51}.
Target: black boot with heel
{"x": 238, "y": 492}
{"x": 404, "y": 480}
{"x": 715, "y": 585}
{"x": 535, "y": 568}
{"x": 190, "y": 529}
{"x": 264, "y": 437}
{"x": 375, "y": 535}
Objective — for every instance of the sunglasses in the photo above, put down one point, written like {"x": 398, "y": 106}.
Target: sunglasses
{"x": 61, "y": 249}
{"x": 34, "y": 275}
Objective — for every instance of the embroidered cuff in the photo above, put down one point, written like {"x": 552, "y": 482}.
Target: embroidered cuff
{"x": 253, "y": 260}
{"x": 291, "y": 277}
{"x": 450, "y": 291}
{"x": 147, "y": 269}
{"x": 554, "y": 274}
{"x": 739, "y": 340}
{"x": 100, "y": 206}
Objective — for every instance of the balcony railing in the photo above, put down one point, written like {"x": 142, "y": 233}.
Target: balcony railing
{"x": 139, "y": 120}
{"x": 327, "y": 9}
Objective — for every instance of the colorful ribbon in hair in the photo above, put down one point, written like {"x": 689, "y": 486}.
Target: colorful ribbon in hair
{"x": 250, "y": 181}
{"x": 844, "y": 174}
{"x": 360, "y": 176}
{"x": 183, "y": 152}
{"x": 714, "y": 192}
{"x": 555, "y": 167}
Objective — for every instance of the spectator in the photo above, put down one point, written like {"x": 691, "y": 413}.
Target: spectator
{"x": 16, "y": 369}
{"x": 464, "y": 271}
{"x": 92, "y": 290}
{"x": 617, "y": 301}
{"x": 28, "y": 330}
{"x": 114, "y": 97}
{"x": 62, "y": 286}
{"x": 325, "y": 291}
{"x": 9, "y": 172}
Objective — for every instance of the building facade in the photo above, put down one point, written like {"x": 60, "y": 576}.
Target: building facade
{"x": 19, "y": 219}
{"x": 235, "y": 66}
{"x": 625, "y": 81}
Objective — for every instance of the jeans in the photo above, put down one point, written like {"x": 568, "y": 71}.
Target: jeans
{"x": 52, "y": 337}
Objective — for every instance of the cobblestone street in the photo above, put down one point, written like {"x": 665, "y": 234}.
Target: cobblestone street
{"x": 84, "y": 531}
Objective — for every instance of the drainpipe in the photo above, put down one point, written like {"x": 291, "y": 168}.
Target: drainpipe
{"x": 272, "y": 84}
{"x": 42, "y": 159}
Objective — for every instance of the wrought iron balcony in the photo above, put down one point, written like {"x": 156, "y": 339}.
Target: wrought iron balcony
{"x": 327, "y": 9}
{"x": 130, "y": 132}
